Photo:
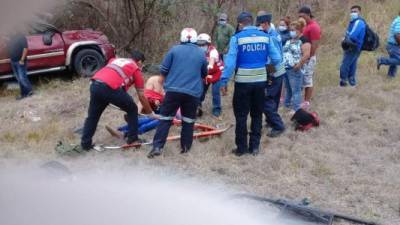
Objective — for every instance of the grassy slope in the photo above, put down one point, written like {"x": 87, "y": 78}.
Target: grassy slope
{"x": 350, "y": 164}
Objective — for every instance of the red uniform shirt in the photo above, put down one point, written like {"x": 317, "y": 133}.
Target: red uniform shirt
{"x": 312, "y": 31}
{"x": 113, "y": 78}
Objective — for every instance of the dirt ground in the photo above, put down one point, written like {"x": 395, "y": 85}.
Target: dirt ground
{"x": 349, "y": 164}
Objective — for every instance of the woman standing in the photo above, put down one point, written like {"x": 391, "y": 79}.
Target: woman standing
{"x": 296, "y": 52}
{"x": 283, "y": 29}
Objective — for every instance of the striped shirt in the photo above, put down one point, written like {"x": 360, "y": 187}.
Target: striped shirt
{"x": 394, "y": 29}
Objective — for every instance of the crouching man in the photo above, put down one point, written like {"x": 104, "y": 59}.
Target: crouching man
{"x": 183, "y": 68}
{"x": 109, "y": 86}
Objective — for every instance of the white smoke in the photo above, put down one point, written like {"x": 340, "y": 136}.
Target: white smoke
{"x": 18, "y": 14}
{"x": 29, "y": 197}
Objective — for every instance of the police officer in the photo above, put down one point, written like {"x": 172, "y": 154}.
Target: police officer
{"x": 109, "y": 86}
{"x": 274, "y": 80}
{"x": 249, "y": 50}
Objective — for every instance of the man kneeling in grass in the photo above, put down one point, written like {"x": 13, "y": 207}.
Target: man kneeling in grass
{"x": 393, "y": 48}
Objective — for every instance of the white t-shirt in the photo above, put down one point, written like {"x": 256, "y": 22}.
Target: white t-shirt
{"x": 214, "y": 55}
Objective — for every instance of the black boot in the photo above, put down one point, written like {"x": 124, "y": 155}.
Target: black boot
{"x": 199, "y": 112}
{"x": 238, "y": 153}
{"x": 185, "y": 150}
{"x": 155, "y": 152}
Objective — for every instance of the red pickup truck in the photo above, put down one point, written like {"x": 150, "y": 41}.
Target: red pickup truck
{"x": 82, "y": 51}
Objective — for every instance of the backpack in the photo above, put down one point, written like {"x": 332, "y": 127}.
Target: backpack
{"x": 371, "y": 40}
{"x": 304, "y": 120}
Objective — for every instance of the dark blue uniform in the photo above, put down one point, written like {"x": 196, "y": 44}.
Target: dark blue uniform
{"x": 274, "y": 88}
{"x": 249, "y": 51}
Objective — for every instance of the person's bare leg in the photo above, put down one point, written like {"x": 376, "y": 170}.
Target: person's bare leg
{"x": 308, "y": 92}
{"x": 140, "y": 107}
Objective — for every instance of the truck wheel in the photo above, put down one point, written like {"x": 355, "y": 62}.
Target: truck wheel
{"x": 87, "y": 62}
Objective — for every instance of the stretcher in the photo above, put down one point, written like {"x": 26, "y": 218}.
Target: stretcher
{"x": 206, "y": 132}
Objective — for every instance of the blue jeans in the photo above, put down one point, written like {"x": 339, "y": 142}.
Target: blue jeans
{"x": 271, "y": 103}
{"x": 20, "y": 74}
{"x": 145, "y": 124}
{"x": 294, "y": 85}
{"x": 216, "y": 97}
{"x": 348, "y": 68}
{"x": 248, "y": 98}
{"x": 394, "y": 59}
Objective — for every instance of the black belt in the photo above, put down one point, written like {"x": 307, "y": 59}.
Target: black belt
{"x": 99, "y": 82}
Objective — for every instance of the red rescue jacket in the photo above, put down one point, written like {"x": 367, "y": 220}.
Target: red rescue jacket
{"x": 216, "y": 71}
{"x": 119, "y": 73}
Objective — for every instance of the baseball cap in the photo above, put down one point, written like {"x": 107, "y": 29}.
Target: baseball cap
{"x": 223, "y": 17}
{"x": 243, "y": 16}
{"x": 306, "y": 10}
{"x": 263, "y": 17}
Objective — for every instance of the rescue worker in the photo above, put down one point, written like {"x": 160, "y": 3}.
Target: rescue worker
{"x": 249, "y": 50}
{"x": 215, "y": 65}
{"x": 183, "y": 69}
{"x": 274, "y": 80}
{"x": 110, "y": 86}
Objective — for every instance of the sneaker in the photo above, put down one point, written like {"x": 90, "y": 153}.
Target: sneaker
{"x": 254, "y": 151}
{"x": 154, "y": 152}
{"x": 115, "y": 133}
{"x": 342, "y": 83}
{"x": 275, "y": 133}
{"x": 305, "y": 105}
{"x": 24, "y": 96}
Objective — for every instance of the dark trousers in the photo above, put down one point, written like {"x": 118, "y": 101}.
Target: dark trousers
{"x": 100, "y": 96}
{"x": 271, "y": 104}
{"x": 172, "y": 102}
{"x": 20, "y": 74}
{"x": 248, "y": 98}
{"x": 348, "y": 69}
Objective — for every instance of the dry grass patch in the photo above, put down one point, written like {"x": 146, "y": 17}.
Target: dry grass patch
{"x": 8, "y": 137}
{"x": 372, "y": 102}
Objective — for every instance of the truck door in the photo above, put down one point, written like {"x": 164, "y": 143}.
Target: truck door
{"x": 46, "y": 50}
{"x": 5, "y": 67}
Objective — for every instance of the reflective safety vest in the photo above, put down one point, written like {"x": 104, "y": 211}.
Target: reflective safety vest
{"x": 118, "y": 73}
{"x": 252, "y": 56}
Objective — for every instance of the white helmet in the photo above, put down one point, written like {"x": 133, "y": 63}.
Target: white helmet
{"x": 189, "y": 35}
{"x": 203, "y": 39}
